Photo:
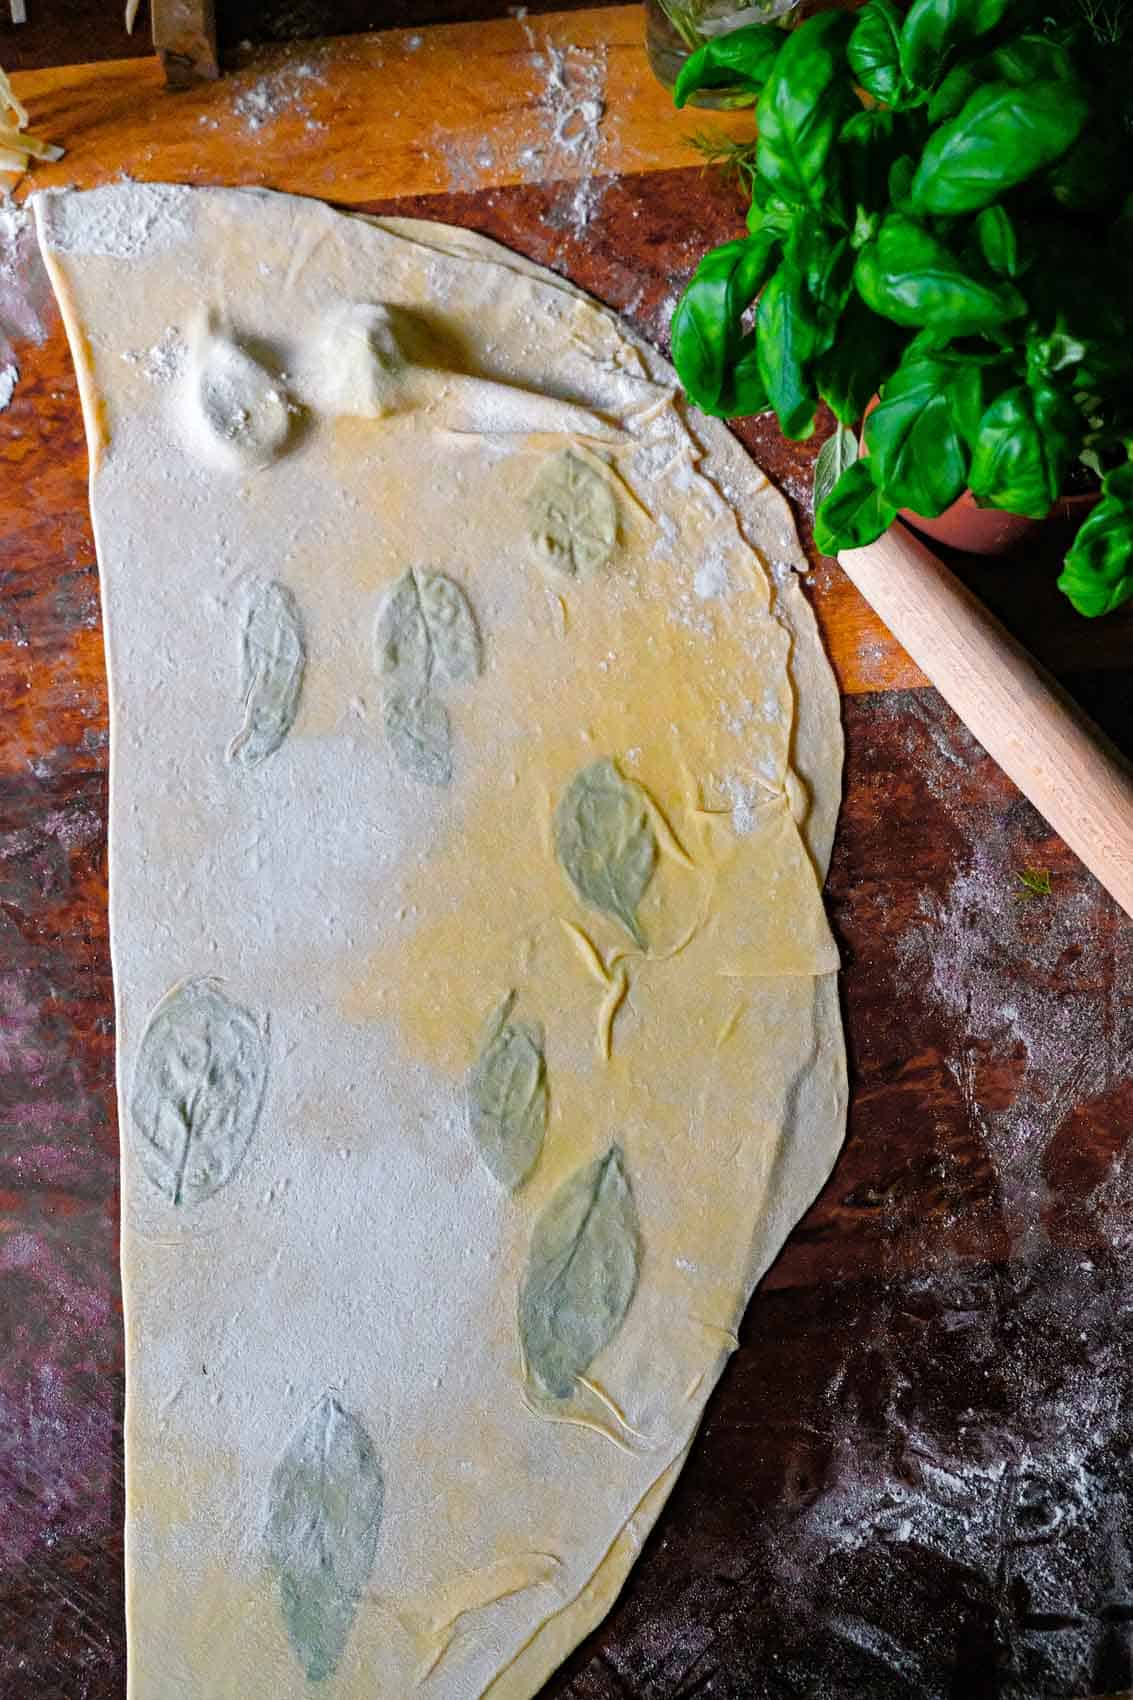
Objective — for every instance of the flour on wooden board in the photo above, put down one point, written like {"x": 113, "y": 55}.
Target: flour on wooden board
{"x": 1015, "y": 1504}
{"x": 573, "y": 104}
{"x": 570, "y": 102}
{"x": 276, "y": 93}
{"x": 22, "y": 289}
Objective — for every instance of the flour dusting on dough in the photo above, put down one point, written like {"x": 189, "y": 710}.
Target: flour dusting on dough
{"x": 162, "y": 362}
{"x": 120, "y": 221}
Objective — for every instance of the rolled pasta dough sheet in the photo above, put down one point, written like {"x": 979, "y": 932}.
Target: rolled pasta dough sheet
{"x": 474, "y": 769}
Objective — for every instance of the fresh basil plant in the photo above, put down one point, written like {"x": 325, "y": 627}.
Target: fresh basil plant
{"x": 942, "y": 214}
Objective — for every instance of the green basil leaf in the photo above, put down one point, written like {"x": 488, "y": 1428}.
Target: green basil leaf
{"x": 869, "y": 143}
{"x": 605, "y": 843}
{"x": 1002, "y": 136}
{"x": 998, "y": 241}
{"x": 1054, "y": 353}
{"x": 900, "y": 183}
{"x": 324, "y": 1515}
{"x": 917, "y": 456}
{"x": 1026, "y": 441}
{"x": 825, "y": 261}
{"x": 1097, "y": 575}
{"x": 742, "y": 58}
{"x": 801, "y": 110}
{"x": 581, "y": 1274}
{"x": 874, "y": 52}
{"x": 746, "y": 392}
{"x": 426, "y": 627}
{"x": 419, "y": 731}
{"x": 838, "y": 452}
{"x": 785, "y": 344}
{"x": 953, "y": 93}
{"x": 851, "y": 371}
{"x": 706, "y": 326}
{"x": 971, "y": 386}
{"x": 768, "y": 214}
{"x": 1027, "y": 59}
{"x": 855, "y": 512}
{"x": 507, "y": 1096}
{"x": 910, "y": 276}
{"x": 934, "y": 29}
{"x": 1117, "y": 486}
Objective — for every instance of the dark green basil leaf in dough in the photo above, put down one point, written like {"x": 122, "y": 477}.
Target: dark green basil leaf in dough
{"x": 605, "y": 843}
{"x": 420, "y": 736}
{"x": 273, "y": 659}
{"x": 507, "y": 1097}
{"x": 581, "y": 1273}
{"x": 324, "y": 1514}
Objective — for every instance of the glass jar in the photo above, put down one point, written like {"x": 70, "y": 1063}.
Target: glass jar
{"x": 674, "y": 29}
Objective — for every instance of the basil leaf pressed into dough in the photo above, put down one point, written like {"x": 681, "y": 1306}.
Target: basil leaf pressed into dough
{"x": 420, "y": 736}
{"x": 324, "y": 1513}
{"x": 273, "y": 659}
{"x": 605, "y": 843}
{"x": 507, "y": 1097}
{"x": 426, "y": 632}
{"x": 426, "y": 626}
{"x": 581, "y": 1273}
{"x": 574, "y": 517}
{"x": 197, "y": 1089}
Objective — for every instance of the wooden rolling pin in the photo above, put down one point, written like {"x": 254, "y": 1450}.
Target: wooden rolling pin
{"x": 1042, "y": 741}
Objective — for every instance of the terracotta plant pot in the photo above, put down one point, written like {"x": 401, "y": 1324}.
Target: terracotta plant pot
{"x": 988, "y": 531}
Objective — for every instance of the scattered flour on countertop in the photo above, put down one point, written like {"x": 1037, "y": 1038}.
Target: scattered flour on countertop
{"x": 275, "y": 93}
{"x": 120, "y": 221}
{"x": 1007, "y": 1016}
{"x": 573, "y": 104}
{"x": 466, "y": 171}
{"x": 24, "y": 291}
{"x": 14, "y": 222}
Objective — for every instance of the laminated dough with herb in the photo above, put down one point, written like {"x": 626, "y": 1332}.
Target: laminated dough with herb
{"x": 475, "y": 764}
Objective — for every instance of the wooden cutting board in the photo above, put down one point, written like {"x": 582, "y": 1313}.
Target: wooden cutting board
{"x": 912, "y": 1482}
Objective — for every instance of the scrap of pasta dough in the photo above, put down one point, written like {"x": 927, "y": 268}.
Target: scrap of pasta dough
{"x": 475, "y": 769}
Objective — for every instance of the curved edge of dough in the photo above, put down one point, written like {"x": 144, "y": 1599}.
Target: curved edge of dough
{"x": 817, "y": 743}
{"x": 802, "y": 1167}
{"x": 94, "y": 423}
{"x": 557, "y": 1636}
